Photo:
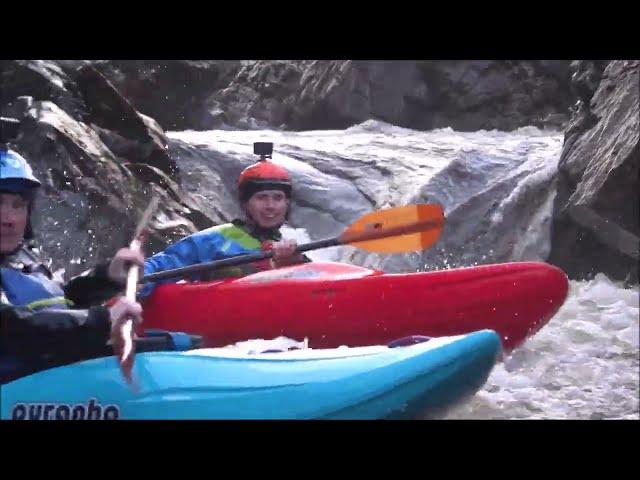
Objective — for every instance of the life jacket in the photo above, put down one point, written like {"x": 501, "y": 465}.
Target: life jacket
{"x": 28, "y": 283}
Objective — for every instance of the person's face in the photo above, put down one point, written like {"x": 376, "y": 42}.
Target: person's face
{"x": 14, "y": 212}
{"x": 268, "y": 208}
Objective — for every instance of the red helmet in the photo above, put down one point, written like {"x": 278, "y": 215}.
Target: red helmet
{"x": 263, "y": 175}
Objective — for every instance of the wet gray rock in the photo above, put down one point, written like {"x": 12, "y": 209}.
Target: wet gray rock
{"x": 595, "y": 224}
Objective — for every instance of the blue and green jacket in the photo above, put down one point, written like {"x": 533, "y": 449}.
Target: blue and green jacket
{"x": 215, "y": 243}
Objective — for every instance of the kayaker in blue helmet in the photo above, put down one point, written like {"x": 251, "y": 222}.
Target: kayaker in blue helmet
{"x": 264, "y": 191}
{"x": 38, "y": 326}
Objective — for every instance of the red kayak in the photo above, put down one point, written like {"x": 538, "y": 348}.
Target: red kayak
{"x": 335, "y": 304}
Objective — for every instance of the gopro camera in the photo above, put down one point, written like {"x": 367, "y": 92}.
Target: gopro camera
{"x": 264, "y": 149}
{"x": 9, "y": 129}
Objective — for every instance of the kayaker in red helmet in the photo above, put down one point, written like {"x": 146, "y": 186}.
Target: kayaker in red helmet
{"x": 43, "y": 322}
{"x": 264, "y": 191}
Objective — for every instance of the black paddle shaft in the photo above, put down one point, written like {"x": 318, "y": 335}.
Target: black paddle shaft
{"x": 232, "y": 261}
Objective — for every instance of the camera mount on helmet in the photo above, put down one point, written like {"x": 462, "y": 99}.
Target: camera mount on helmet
{"x": 9, "y": 129}
{"x": 264, "y": 149}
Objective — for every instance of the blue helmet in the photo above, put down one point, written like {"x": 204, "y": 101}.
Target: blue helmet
{"x": 16, "y": 175}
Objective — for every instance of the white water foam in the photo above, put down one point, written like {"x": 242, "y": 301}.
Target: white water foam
{"x": 583, "y": 365}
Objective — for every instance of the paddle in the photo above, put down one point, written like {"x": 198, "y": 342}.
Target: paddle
{"x": 394, "y": 230}
{"x": 124, "y": 344}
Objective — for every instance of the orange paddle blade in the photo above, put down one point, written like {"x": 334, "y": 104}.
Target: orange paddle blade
{"x": 397, "y": 230}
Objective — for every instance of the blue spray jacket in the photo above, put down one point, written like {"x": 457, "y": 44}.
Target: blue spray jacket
{"x": 215, "y": 243}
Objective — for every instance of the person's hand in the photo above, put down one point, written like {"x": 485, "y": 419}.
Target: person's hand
{"x": 119, "y": 266}
{"x": 123, "y": 310}
{"x": 122, "y": 339}
{"x": 284, "y": 252}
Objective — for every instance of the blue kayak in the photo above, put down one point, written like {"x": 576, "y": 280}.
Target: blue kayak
{"x": 376, "y": 382}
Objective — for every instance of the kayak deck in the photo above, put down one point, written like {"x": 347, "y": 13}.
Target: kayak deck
{"x": 334, "y": 304}
{"x": 368, "y": 383}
